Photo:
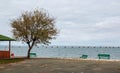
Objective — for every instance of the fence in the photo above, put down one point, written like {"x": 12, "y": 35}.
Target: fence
{"x": 4, "y": 54}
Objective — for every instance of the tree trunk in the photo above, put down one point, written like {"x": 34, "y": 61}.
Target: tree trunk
{"x": 30, "y": 47}
{"x": 28, "y": 54}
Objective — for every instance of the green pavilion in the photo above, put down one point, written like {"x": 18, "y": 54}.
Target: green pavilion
{"x": 5, "y": 54}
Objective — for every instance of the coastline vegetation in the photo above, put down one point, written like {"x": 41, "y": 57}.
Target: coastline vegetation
{"x": 7, "y": 61}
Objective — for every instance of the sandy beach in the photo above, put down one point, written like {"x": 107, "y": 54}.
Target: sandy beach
{"x": 53, "y": 65}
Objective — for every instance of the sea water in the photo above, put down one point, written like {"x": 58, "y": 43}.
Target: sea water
{"x": 65, "y": 51}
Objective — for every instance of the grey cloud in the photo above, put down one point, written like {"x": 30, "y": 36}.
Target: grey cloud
{"x": 77, "y": 20}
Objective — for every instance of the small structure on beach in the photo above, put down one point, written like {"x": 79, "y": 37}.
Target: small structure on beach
{"x": 5, "y": 54}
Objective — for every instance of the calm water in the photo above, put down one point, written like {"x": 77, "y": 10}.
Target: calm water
{"x": 65, "y": 51}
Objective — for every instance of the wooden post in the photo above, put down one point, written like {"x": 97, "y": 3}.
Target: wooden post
{"x": 9, "y": 46}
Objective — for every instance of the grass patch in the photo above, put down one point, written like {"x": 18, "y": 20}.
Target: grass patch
{"x": 7, "y": 61}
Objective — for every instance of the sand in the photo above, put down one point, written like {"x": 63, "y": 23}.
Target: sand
{"x": 54, "y": 65}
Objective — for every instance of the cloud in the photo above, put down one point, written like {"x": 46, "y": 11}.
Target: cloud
{"x": 78, "y": 20}
{"x": 109, "y": 23}
{"x": 108, "y": 29}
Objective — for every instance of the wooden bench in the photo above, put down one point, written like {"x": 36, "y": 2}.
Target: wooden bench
{"x": 84, "y": 56}
{"x": 104, "y": 56}
{"x": 32, "y": 55}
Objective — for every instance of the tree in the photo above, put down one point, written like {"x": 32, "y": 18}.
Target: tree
{"x": 33, "y": 28}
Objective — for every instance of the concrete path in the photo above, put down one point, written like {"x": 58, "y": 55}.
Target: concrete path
{"x": 60, "y": 66}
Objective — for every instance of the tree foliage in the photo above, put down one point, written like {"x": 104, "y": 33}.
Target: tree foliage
{"x": 34, "y": 27}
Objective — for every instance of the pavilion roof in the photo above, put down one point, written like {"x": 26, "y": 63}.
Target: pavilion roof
{"x": 5, "y": 38}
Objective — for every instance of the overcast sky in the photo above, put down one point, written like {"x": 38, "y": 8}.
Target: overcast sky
{"x": 81, "y": 22}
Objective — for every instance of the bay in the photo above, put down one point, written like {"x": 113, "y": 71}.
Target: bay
{"x": 65, "y": 51}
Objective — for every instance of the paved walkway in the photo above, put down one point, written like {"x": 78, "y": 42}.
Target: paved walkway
{"x": 60, "y": 66}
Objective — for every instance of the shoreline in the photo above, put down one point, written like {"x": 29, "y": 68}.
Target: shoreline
{"x": 88, "y": 59}
{"x": 68, "y": 58}
{"x": 79, "y": 59}
{"x": 75, "y": 59}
